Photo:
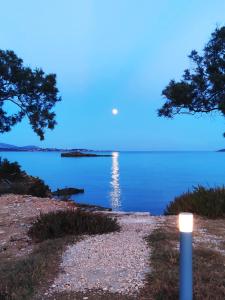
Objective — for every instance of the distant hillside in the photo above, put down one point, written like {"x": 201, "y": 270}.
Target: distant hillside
{"x": 31, "y": 148}
{"x": 7, "y": 146}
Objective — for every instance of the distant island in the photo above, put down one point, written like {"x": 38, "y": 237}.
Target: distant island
{"x": 80, "y": 154}
{"x": 7, "y": 147}
{"x": 221, "y": 150}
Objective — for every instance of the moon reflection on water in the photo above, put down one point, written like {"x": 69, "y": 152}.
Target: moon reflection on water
{"x": 115, "y": 184}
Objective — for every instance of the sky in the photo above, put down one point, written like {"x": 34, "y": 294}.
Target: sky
{"x": 113, "y": 54}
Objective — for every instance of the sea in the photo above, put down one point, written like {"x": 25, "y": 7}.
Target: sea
{"x": 126, "y": 181}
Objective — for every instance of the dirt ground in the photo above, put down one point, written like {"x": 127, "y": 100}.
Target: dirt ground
{"x": 16, "y": 215}
{"x": 17, "y": 212}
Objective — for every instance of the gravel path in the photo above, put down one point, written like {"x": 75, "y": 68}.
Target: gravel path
{"x": 115, "y": 262}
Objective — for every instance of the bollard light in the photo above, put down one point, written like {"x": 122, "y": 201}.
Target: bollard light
{"x": 185, "y": 222}
{"x": 186, "y": 277}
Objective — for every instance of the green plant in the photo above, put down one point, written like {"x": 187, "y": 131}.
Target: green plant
{"x": 10, "y": 171}
{"x": 38, "y": 188}
{"x": 33, "y": 93}
{"x": 71, "y": 222}
{"x": 17, "y": 181}
{"x": 26, "y": 186}
{"x": 202, "y": 201}
{"x": 201, "y": 89}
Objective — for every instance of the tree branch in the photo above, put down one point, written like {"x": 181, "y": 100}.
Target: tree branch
{"x": 19, "y": 105}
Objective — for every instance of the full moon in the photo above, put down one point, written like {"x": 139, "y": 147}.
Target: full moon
{"x": 115, "y": 111}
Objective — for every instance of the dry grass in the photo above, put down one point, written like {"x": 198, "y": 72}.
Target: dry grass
{"x": 22, "y": 278}
{"x": 162, "y": 283}
{"x": 91, "y": 295}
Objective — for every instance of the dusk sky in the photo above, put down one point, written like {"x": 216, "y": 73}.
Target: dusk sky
{"x": 113, "y": 54}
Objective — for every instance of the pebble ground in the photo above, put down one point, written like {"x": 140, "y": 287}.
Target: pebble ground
{"x": 117, "y": 262}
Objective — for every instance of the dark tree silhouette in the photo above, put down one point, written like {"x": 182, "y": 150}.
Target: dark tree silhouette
{"x": 202, "y": 89}
{"x": 32, "y": 91}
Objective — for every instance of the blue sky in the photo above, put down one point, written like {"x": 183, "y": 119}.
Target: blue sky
{"x": 114, "y": 53}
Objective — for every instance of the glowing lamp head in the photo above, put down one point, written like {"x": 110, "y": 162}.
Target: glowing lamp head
{"x": 115, "y": 111}
{"x": 186, "y": 222}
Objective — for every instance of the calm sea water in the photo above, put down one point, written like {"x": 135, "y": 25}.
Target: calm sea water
{"x": 129, "y": 181}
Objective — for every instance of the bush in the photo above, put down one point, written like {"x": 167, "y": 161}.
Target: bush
{"x": 38, "y": 188}
{"x": 27, "y": 185}
{"x": 202, "y": 201}
{"x": 67, "y": 222}
{"x": 14, "y": 180}
{"x": 10, "y": 171}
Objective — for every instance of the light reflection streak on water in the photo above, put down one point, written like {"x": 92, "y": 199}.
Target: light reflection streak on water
{"x": 115, "y": 184}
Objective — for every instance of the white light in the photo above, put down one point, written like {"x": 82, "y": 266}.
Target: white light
{"x": 115, "y": 182}
{"x": 115, "y": 111}
{"x": 115, "y": 154}
{"x": 186, "y": 222}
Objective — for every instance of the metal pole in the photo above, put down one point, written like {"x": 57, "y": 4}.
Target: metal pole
{"x": 186, "y": 285}
{"x": 186, "y": 228}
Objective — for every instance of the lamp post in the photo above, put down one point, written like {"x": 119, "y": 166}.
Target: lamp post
{"x": 186, "y": 228}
